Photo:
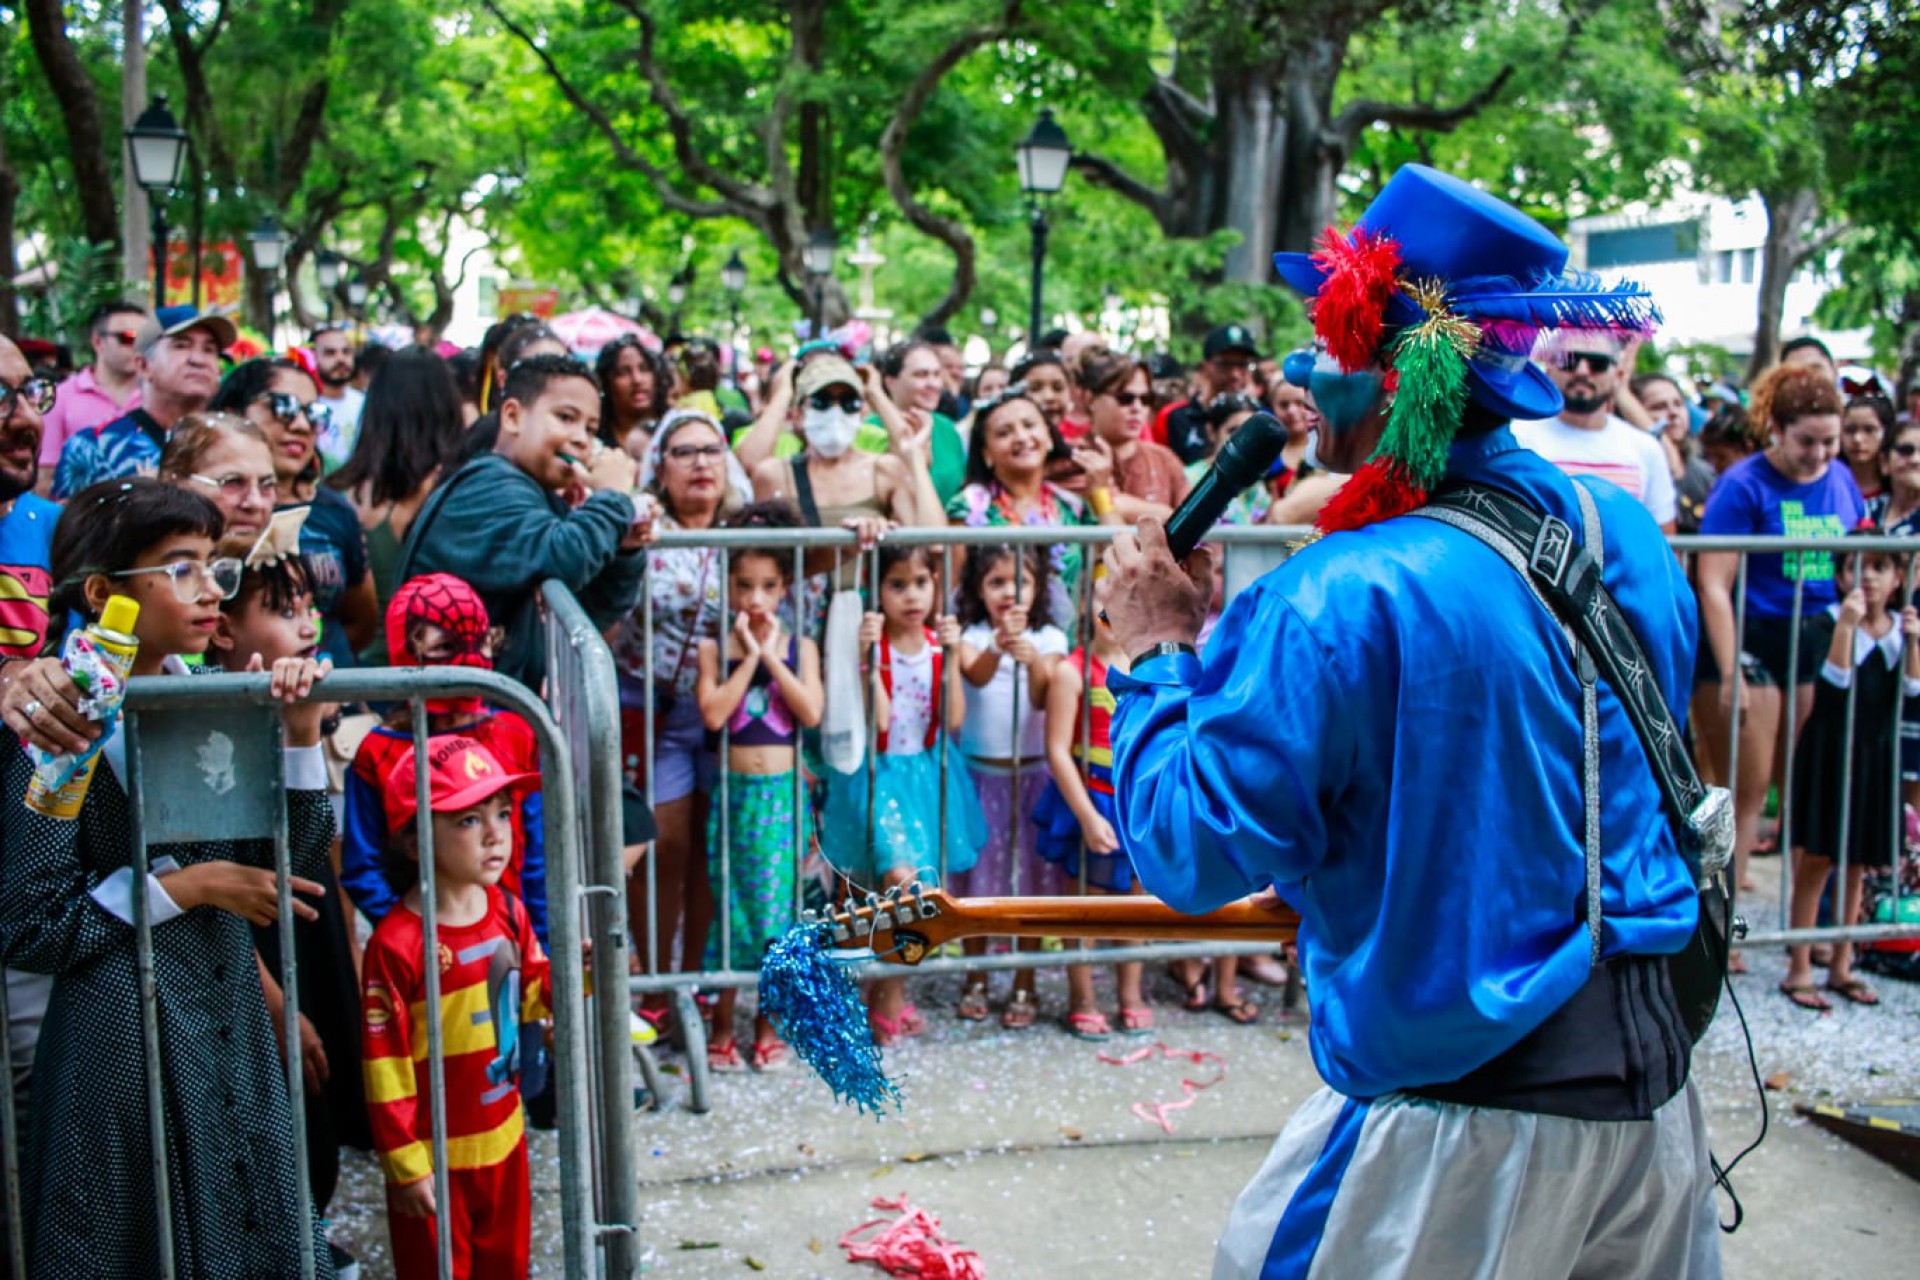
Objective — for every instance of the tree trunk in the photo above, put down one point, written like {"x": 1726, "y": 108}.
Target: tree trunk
{"x": 9, "y": 196}
{"x": 1250, "y": 115}
{"x": 79, "y": 103}
{"x": 813, "y": 185}
{"x": 1789, "y": 214}
{"x": 1305, "y": 199}
{"x": 133, "y": 100}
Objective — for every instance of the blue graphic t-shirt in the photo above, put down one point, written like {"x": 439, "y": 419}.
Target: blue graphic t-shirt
{"x": 26, "y": 545}
{"x": 1753, "y": 498}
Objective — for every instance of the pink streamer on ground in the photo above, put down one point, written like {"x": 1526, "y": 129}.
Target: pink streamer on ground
{"x": 911, "y": 1245}
{"x": 1157, "y": 1112}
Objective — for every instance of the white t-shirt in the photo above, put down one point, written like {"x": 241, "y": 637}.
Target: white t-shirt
{"x": 336, "y": 442}
{"x": 912, "y": 700}
{"x": 1619, "y": 453}
{"x": 988, "y": 732}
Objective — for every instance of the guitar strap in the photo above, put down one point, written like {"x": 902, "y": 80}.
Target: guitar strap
{"x": 1564, "y": 574}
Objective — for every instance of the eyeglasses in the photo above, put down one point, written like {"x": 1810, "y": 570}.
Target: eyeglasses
{"x": 189, "y": 576}
{"x": 236, "y": 487}
{"x": 37, "y": 392}
{"x": 125, "y": 337}
{"x": 697, "y": 452}
{"x": 824, "y": 400}
{"x": 1127, "y": 399}
{"x": 285, "y": 408}
{"x": 1598, "y": 361}
{"x": 1906, "y": 448}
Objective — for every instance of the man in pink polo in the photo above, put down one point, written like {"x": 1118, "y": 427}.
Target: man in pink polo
{"x": 109, "y": 388}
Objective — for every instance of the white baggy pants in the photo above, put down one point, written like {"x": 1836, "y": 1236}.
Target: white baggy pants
{"x": 1406, "y": 1187}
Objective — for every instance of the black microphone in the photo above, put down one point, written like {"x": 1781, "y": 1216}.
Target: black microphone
{"x": 1243, "y": 461}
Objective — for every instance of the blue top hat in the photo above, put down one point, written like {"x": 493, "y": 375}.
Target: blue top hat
{"x": 1500, "y": 269}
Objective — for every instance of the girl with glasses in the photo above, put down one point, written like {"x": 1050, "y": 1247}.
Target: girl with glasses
{"x": 278, "y": 396}
{"x": 65, "y": 912}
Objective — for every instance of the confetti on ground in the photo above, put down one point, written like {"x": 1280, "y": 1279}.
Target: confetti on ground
{"x": 911, "y": 1245}
{"x": 1157, "y": 1112}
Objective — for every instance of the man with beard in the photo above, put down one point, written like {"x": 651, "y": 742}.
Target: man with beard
{"x": 1586, "y": 439}
{"x": 332, "y": 349}
{"x": 102, "y": 391}
{"x": 179, "y": 362}
{"x": 26, "y": 520}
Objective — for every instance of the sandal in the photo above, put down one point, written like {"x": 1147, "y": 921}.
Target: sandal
{"x": 723, "y": 1056}
{"x": 1234, "y": 1009}
{"x": 1087, "y": 1026}
{"x": 1020, "y": 1011}
{"x": 1854, "y": 991}
{"x": 1806, "y": 996}
{"x": 1136, "y": 1021}
{"x": 770, "y": 1055}
{"x": 1197, "y": 997}
{"x": 910, "y": 1020}
{"x": 885, "y": 1030}
{"x": 973, "y": 1004}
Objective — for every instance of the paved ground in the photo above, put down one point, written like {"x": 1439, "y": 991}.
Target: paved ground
{"x": 1025, "y": 1145}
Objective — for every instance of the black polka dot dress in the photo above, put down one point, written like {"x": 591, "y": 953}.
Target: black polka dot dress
{"x": 86, "y": 1173}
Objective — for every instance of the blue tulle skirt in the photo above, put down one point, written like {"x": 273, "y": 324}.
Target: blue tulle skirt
{"x": 906, "y": 819}
{"x": 1058, "y": 841}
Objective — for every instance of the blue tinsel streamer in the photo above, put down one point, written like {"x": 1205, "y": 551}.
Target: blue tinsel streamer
{"x": 818, "y": 1010}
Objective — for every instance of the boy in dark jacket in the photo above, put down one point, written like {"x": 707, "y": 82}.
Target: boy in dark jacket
{"x": 503, "y": 521}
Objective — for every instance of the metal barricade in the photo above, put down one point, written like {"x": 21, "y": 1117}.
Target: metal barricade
{"x": 1247, "y": 553}
{"x": 198, "y": 751}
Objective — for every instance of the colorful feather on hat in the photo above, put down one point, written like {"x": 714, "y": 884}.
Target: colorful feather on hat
{"x": 1570, "y": 300}
{"x": 1349, "y": 313}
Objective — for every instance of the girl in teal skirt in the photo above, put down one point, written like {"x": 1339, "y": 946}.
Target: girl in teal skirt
{"x": 758, "y": 693}
{"x": 915, "y": 668}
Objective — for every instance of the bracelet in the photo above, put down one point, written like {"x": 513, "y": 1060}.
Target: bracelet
{"x": 1101, "y": 500}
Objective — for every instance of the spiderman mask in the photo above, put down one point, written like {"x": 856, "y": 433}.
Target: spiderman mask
{"x": 438, "y": 620}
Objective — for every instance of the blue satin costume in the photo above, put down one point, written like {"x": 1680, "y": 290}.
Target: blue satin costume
{"x": 1386, "y": 730}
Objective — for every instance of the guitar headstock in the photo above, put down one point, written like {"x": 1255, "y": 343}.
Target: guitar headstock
{"x": 901, "y": 926}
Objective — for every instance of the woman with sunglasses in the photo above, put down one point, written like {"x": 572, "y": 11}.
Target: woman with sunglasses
{"x": 634, "y": 385}
{"x": 1116, "y": 393}
{"x": 1895, "y": 509}
{"x": 225, "y": 458}
{"x": 281, "y": 399}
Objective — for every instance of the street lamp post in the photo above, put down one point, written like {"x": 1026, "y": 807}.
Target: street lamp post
{"x": 268, "y": 244}
{"x": 677, "y": 294}
{"x": 733, "y": 278}
{"x": 158, "y": 146}
{"x": 326, "y": 270}
{"x": 1043, "y": 156}
{"x": 818, "y": 259}
{"x": 357, "y": 290}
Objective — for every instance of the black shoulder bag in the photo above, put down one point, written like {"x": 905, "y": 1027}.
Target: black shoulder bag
{"x": 1565, "y": 576}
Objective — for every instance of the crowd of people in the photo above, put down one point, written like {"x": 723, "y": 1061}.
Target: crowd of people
{"x": 335, "y": 506}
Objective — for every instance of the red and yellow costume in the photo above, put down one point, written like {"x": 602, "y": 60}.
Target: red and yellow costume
{"x": 493, "y": 982}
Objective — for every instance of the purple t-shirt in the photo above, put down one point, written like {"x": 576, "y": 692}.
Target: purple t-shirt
{"x": 1753, "y": 498}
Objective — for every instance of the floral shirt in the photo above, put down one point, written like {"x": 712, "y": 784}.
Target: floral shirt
{"x": 687, "y": 591}
{"x": 980, "y": 506}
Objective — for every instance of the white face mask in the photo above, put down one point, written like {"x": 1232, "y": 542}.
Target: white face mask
{"x": 830, "y": 432}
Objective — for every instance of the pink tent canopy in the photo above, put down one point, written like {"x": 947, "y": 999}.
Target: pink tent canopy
{"x": 589, "y": 330}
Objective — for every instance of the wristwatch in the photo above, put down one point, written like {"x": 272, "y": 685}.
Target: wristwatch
{"x": 1161, "y": 650}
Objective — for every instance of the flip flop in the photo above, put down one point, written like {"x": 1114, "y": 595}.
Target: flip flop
{"x": 1854, "y": 991}
{"x": 1244, "y": 1012}
{"x": 1136, "y": 1022}
{"x": 1806, "y": 995}
{"x": 912, "y": 1022}
{"x": 1020, "y": 1011}
{"x": 1089, "y": 1026}
{"x": 973, "y": 1004}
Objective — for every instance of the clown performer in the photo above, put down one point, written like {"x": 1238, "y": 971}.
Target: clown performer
{"x": 1387, "y": 731}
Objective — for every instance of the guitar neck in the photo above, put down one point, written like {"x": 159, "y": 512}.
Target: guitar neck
{"x": 1117, "y": 917}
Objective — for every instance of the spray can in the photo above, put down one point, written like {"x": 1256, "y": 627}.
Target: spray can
{"x": 98, "y": 659}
